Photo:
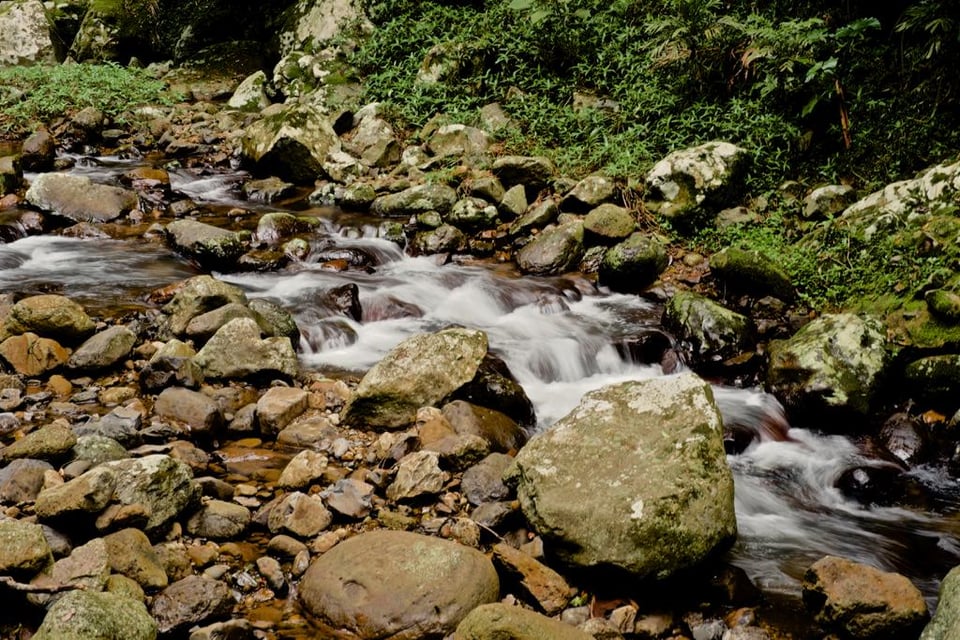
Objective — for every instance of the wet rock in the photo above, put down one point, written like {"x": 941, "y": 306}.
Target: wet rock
{"x": 132, "y": 555}
{"x": 420, "y": 371}
{"x": 501, "y": 620}
{"x": 191, "y": 601}
{"x": 198, "y": 411}
{"x": 350, "y": 497}
{"x": 686, "y": 181}
{"x": 51, "y": 316}
{"x": 862, "y": 601}
{"x": 299, "y": 514}
{"x": 554, "y": 251}
{"x": 103, "y": 350}
{"x": 712, "y": 331}
{"x": 671, "y": 482}
{"x": 751, "y": 272}
{"x": 633, "y": 265}
{"x": 198, "y": 296}
{"x": 536, "y": 581}
{"x": 303, "y": 469}
{"x": 292, "y": 143}
{"x": 210, "y": 246}
{"x": 945, "y": 623}
{"x": 444, "y": 239}
{"x": 229, "y": 630}
{"x": 344, "y": 300}
{"x": 933, "y": 379}
{"x": 903, "y": 436}
{"x": 458, "y": 452}
{"x": 24, "y": 550}
{"x": 828, "y": 201}
{"x": 396, "y": 584}
{"x": 495, "y": 386}
{"x": 276, "y": 321}
{"x": 38, "y": 151}
{"x": 237, "y": 351}
{"x": 275, "y": 227}
{"x": 418, "y": 474}
{"x": 483, "y": 482}
{"x": 533, "y": 172}
{"x": 414, "y": 200}
{"x": 496, "y": 428}
{"x": 608, "y": 224}
{"x": 279, "y": 406}
{"x": 834, "y": 363}
{"x": 90, "y": 615}
{"x": 22, "y": 480}
{"x": 79, "y": 198}
{"x": 219, "y": 520}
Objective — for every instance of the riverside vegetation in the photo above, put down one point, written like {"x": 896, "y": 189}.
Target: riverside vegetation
{"x": 780, "y": 177}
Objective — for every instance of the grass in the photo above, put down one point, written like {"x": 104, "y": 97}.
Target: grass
{"x": 30, "y": 95}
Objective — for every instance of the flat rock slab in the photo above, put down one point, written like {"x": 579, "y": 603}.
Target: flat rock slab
{"x": 396, "y": 584}
{"x": 80, "y": 199}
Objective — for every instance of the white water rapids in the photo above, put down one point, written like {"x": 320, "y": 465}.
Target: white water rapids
{"x": 559, "y": 338}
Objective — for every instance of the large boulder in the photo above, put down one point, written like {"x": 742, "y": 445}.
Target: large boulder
{"x": 709, "y": 329}
{"x": 685, "y": 182}
{"x": 198, "y": 296}
{"x": 292, "y": 143}
{"x": 751, "y": 272}
{"x": 210, "y": 246}
{"x": 91, "y": 615}
{"x": 632, "y": 265}
{"x": 833, "y": 364}
{"x": 553, "y": 251}
{"x": 396, "y": 584}
{"x": 236, "y": 350}
{"x": 633, "y": 481}
{"x": 25, "y": 34}
{"x": 373, "y": 139}
{"x": 945, "y": 624}
{"x": 420, "y": 371}
{"x": 459, "y": 140}
{"x": 533, "y": 172}
{"x": 862, "y": 601}
{"x": 312, "y": 23}
{"x": 79, "y": 198}
{"x": 507, "y": 622}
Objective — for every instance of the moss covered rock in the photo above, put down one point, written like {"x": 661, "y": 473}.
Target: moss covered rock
{"x": 711, "y": 330}
{"x": 751, "y": 272}
{"x": 632, "y": 265}
{"x": 89, "y": 615}
{"x": 553, "y": 251}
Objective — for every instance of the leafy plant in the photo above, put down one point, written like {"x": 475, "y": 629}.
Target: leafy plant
{"x": 38, "y": 93}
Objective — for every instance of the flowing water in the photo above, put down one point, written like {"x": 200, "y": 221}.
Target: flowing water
{"x": 560, "y": 337}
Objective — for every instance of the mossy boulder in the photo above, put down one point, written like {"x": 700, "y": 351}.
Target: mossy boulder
{"x": 79, "y": 198}
{"x": 752, "y": 272}
{"x": 292, "y": 143}
{"x": 415, "y": 200}
{"x": 91, "y": 615}
{"x": 210, "y": 246}
{"x": 945, "y": 624}
{"x": 834, "y": 365}
{"x": 710, "y": 330}
{"x": 51, "y": 316}
{"x": 634, "y": 481}
{"x": 634, "y": 264}
{"x": 237, "y": 351}
{"x": 509, "y": 622}
{"x": 935, "y": 379}
{"x": 608, "y": 223}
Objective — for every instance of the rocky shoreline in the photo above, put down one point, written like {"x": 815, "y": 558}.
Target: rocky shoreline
{"x": 177, "y": 473}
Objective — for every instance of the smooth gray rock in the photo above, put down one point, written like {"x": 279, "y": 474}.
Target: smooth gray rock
{"x": 396, "y": 584}
{"x": 553, "y": 251}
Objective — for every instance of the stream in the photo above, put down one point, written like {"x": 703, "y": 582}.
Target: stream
{"x": 561, "y": 337}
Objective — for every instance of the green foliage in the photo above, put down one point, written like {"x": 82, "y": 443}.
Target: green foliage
{"x": 38, "y": 93}
{"x": 815, "y": 90}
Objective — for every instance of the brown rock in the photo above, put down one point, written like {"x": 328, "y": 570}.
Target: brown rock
{"x": 540, "y": 583}
{"x": 864, "y": 602}
{"x": 501, "y": 431}
{"x": 279, "y": 406}
{"x": 31, "y": 355}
